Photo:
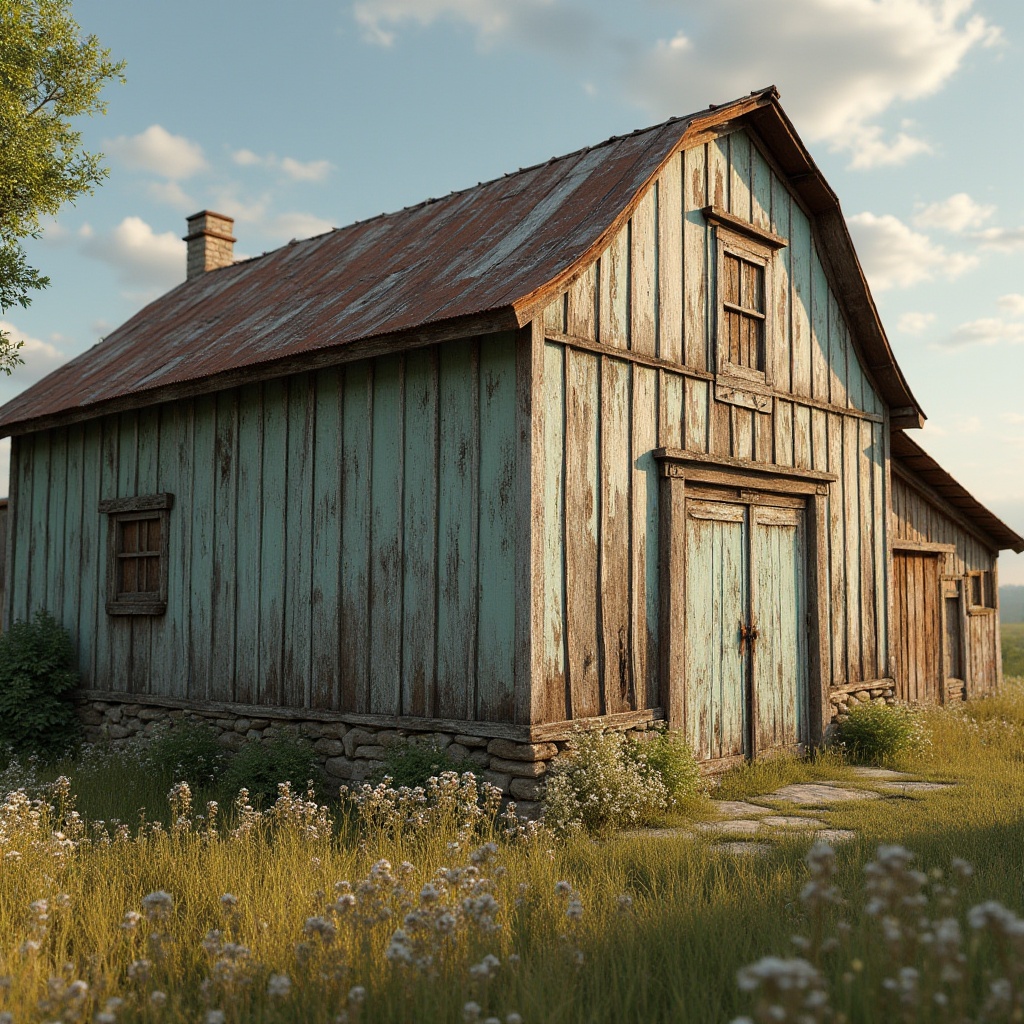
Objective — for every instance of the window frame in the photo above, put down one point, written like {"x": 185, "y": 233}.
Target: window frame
{"x": 750, "y": 244}
{"x": 141, "y": 508}
{"x": 986, "y": 584}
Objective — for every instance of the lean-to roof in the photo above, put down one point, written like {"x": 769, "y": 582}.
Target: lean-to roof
{"x": 485, "y": 259}
{"x": 911, "y": 455}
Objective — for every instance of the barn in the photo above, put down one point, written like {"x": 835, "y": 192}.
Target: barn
{"x": 617, "y": 438}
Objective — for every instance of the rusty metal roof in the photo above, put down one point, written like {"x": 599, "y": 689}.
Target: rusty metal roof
{"x": 483, "y": 259}
{"x": 912, "y": 456}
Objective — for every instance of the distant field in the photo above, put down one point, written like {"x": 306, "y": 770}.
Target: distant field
{"x": 1013, "y": 648}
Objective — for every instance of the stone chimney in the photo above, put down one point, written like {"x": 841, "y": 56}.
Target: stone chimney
{"x": 210, "y": 243}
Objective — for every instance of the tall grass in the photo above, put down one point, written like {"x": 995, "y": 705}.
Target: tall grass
{"x": 644, "y": 929}
{"x": 1013, "y": 648}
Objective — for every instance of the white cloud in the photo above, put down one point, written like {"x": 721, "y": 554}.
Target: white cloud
{"x": 246, "y": 158}
{"x": 298, "y": 225}
{"x": 297, "y": 170}
{"x": 490, "y": 18}
{"x": 1002, "y": 239}
{"x": 957, "y": 213}
{"x": 840, "y": 64}
{"x": 915, "y": 323}
{"x": 140, "y": 255}
{"x": 38, "y": 358}
{"x": 312, "y": 170}
{"x": 171, "y": 193}
{"x": 870, "y": 148}
{"x": 986, "y": 331}
{"x": 1012, "y": 417}
{"x": 1012, "y": 304}
{"x": 895, "y": 256}
{"x": 158, "y": 151}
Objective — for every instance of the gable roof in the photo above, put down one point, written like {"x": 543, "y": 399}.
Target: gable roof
{"x": 485, "y": 259}
{"x": 911, "y": 455}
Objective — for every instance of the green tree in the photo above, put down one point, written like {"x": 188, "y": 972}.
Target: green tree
{"x": 49, "y": 74}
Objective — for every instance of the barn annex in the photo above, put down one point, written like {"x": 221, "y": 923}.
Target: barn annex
{"x": 616, "y": 437}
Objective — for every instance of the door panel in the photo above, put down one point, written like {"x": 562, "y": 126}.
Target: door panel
{"x": 918, "y": 623}
{"x": 952, "y": 640}
{"x": 717, "y": 599}
{"x": 779, "y": 613}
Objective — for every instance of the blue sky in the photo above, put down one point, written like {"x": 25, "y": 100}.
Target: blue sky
{"x": 296, "y": 118}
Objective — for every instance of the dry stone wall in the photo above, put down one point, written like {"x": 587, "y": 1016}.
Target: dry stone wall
{"x": 348, "y": 753}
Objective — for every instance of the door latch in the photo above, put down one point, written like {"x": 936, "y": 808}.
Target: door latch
{"x": 748, "y": 633}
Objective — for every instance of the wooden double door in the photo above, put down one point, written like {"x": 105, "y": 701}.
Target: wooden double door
{"x": 746, "y": 674}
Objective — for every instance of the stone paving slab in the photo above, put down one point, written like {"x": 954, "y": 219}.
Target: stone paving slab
{"x": 835, "y": 835}
{"x": 791, "y": 821}
{"x": 880, "y": 773}
{"x": 912, "y": 786}
{"x": 819, "y": 794}
{"x": 739, "y": 809}
{"x": 730, "y": 827}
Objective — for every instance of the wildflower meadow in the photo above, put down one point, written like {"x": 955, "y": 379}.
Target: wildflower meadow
{"x": 434, "y": 903}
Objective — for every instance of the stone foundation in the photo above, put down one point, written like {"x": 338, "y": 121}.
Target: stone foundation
{"x": 843, "y": 698}
{"x": 348, "y": 753}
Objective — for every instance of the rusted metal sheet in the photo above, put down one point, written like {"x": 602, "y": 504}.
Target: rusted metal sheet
{"x": 481, "y": 260}
{"x": 470, "y": 253}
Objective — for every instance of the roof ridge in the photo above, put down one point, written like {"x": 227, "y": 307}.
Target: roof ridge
{"x": 430, "y": 200}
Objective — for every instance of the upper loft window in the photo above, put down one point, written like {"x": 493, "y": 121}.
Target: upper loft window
{"x": 745, "y": 255}
{"x": 743, "y": 311}
{"x": 137, "y": 552}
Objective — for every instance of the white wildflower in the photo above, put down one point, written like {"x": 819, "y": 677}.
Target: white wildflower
{"x": 131, "y": 920}
{"x": 158, "y": 905}
{"x": 320, "y": 927}
{"x": 279, "y": 985}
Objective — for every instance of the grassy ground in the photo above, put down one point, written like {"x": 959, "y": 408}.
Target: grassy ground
{"x": 1013, "y": 648}
{"x": 671, "y": 952}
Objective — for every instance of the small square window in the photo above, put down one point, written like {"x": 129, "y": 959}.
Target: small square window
{"x": 137, "y": 554}
{"x": 980, "y": 591}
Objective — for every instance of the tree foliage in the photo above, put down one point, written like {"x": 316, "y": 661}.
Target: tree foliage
{"x": 49, "y": 74}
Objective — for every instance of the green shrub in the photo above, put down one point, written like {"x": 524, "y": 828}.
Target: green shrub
{"x": 188, "y": 752}
{"x": 876, "y": 733}
{"x": 37, "y": 676}
{"x": 408, "y": 764}
{"x": 602, "y": 782}
{"x": 260, "y": 766}
{"x": 670, "y": 756}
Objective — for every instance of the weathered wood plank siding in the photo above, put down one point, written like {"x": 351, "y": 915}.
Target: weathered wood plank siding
{"x": 633, "y": 371}
{"x": 341, "y": 540}
{"x": 921, "y": 517}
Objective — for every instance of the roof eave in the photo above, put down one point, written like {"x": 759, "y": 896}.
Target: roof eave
{"x": 919, "y": 463}
{"x": 488, "y": 322}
